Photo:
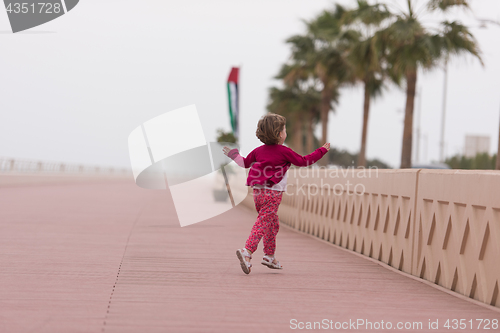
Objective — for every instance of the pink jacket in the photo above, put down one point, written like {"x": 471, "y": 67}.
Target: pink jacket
{"x": 269, "y": 163}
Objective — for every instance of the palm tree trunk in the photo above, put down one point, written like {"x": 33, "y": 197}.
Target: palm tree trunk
{"x": 497, "y": 167}
{"x": 411, "y": 82}
{"x": 325, "y": 110}
{"x": 366, "y": 111}
{"x": 310, "y": 134}
{"x": 298, "y": 135}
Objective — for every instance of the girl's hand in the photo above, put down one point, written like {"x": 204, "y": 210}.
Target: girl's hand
{"x": 226, "y": 150}
{"x": 327, "y": 146}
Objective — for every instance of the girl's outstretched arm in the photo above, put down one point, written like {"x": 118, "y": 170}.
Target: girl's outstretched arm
{"x": 234, "y": 154}
{"x": 306, "y": 160}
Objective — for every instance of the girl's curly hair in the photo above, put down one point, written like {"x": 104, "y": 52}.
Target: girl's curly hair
{"x": 269, "y": 128}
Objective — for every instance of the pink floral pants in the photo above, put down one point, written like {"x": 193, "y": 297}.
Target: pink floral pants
{"x": 267, "y": 224}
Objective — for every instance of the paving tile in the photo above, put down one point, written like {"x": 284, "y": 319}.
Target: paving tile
{"x": 111, "y": 257}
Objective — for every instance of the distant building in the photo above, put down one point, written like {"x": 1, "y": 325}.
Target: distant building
{"x": 476, "y": 144}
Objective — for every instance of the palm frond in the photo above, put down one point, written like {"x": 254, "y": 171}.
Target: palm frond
{"x": 369, "y": 15}
{"x": 457, "y": 39}
{"x": 445, "y": 5}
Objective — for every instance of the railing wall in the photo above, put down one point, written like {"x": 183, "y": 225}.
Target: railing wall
{"x": 8, "y": 165}
{"x": 457, "y": 244}
{"x": 442, "y": 226}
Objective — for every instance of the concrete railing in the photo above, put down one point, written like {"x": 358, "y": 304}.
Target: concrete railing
{"x": 442, "y": 226}
{"x": 8, "y": 165}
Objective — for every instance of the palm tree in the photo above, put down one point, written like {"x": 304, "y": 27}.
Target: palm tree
{"x": 322, "y": 54}
{"x": 297, "y": 79}
{"x": 284, "y": 102}
{"x": 409, "y": 46}
{"x": 309, "y": 102}
{"x": 365, "y": 58}
{"x": 300, "y": 104}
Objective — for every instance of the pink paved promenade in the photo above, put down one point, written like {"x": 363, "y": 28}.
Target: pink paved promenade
{"x": 107, "y": 256}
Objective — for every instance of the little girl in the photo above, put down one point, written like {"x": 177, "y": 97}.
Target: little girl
{"x": 268, "y": 166}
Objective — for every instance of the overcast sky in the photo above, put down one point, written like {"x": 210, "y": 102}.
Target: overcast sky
{"x": 73, "y": 89}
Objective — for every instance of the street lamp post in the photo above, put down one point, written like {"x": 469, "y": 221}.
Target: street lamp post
{"x": 443, "y": 114}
